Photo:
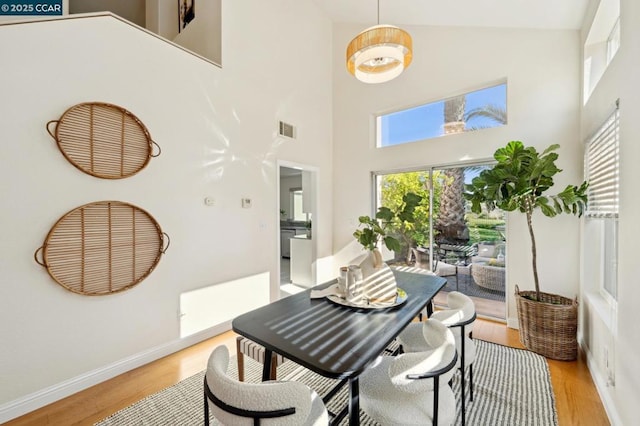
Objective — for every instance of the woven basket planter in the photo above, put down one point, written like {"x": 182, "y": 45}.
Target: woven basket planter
{"x": 548, "y": 327}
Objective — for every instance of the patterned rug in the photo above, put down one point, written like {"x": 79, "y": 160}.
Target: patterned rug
{"x": 511, "y": 387}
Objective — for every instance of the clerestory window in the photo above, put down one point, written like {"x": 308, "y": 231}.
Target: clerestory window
{"x": 480, "y": 109}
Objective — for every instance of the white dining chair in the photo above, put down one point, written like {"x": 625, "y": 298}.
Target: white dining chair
{"x": 268, "y": 403}
{"x": 413, "y": 388}
{"x": 460, "y": 315}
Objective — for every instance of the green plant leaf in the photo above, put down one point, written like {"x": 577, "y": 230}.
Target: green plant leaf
{"x": 401, "y": 219}
{"x": 547, "y": 210}
{"x": 384, "y": 213}
{"x": 391, "y": 243}
{"x": 519, "y": 181}
{"x": 551, "y": 148}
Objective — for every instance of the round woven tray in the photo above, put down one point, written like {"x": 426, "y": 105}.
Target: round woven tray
{"x": 103, "y": 140}
{"x": 102, "y": 247}
{"x": 548, "y": 327}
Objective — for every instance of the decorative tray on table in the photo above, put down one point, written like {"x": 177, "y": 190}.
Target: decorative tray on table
{"x": 401, "y": 297}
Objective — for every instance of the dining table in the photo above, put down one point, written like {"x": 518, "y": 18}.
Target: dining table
{"x": 332, "y": 339}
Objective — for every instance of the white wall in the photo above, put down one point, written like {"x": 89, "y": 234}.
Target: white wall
{"x": 542, "y": 69}
{"x": 286, "y": 184}
{"x": 218, "y": 133}
{"x": 601, "y": 324}
{"x": 202, "y": 35}
{"x": 162, "y": 17}
{"x": 131, "y": 10}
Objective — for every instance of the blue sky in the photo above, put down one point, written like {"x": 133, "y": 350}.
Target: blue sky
{"x": 426, "y": 121}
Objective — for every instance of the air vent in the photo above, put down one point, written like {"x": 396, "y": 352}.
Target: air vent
{"x": 286, "y": 129}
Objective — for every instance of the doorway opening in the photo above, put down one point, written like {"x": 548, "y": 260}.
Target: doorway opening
{"x": 297, "y": 193}
{"x": 466, "y": 248}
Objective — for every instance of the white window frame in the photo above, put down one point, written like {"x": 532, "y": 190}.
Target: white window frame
{"x": 613, "y": 41}
{"x": 602, "y": 163}
{"x": 609, "y": 281}
{"x": 378, "y": 118}
{"x": 601, "y": 44}
{"x": 296, "y": 205}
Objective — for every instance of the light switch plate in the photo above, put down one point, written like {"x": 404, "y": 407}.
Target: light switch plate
{"x": 246, "y": 203}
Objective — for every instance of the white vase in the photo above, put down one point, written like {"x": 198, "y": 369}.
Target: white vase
{"x": 377, "y": 258}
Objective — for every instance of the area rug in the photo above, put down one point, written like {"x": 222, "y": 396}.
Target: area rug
{"x": 511, "y": 387}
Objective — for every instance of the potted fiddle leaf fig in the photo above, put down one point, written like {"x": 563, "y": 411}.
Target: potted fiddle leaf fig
{"x": 376, "y": 230}
{"x": 518, "y": 182}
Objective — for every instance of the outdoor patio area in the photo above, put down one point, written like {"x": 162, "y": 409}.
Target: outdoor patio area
{"x": 489, "y": 303}
{"x": 464, "y": 282}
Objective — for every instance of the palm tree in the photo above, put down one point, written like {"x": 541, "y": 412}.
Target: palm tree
{"x": 450, "y": 223}
{"x": 493, "y": 112}
{"x": 454, "y": 114}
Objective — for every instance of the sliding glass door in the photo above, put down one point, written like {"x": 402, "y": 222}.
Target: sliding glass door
{"x": 447, "y": 238}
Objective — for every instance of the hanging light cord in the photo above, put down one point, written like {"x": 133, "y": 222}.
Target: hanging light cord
{"x": 378, "y": 12}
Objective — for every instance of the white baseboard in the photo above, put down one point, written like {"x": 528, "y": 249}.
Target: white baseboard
{"x": 31, "y": 402}
{"x": 601, "y": 386}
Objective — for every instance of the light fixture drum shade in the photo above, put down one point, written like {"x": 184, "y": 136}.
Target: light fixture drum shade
{"x": 379, "y": 54}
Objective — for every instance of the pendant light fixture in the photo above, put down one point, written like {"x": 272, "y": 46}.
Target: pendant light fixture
{"x": 379, "y": 53}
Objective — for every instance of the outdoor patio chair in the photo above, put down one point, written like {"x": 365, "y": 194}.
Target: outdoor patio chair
{"x": 491, "y": 277}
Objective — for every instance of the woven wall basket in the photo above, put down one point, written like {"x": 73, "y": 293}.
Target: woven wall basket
{"x": 548, "y": 327}
{"x": 102, "y": 247}
{"x": 103, "y": 140}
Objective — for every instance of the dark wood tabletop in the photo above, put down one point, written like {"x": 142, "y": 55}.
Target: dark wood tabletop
{"x": 330, "y": 339}
{"x": 334, "y": 340}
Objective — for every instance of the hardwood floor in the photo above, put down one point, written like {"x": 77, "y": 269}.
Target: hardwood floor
{"x": 485, "y": 308}
{"x": 577, "y": 400}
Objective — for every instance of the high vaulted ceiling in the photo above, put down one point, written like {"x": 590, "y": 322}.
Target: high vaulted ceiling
{"x": 544, "y": 14}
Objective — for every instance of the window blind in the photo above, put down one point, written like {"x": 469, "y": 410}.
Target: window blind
{"x": 602, "y": 168}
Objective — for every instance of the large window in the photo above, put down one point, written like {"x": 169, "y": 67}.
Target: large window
{"x": 445, "y": 236}
{"x": 601, "y": 45}
{"x": 480, "y": 109}
{"x": 602, "y": 172}
{"x": 297, "y": 204}
{"x": 613, "y": 42}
